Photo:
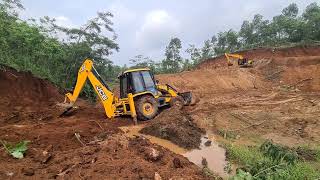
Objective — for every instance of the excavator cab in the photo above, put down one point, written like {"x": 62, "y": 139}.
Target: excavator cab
{"x": 137, "y": 81}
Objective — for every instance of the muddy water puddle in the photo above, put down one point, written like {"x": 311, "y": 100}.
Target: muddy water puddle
{"x": 213, "y": 155}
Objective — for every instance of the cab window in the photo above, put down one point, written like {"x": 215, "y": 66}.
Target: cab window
{"x": 137, "y": 81}
{"x": 148, "y": 81}
{"x": 123, "y": 86}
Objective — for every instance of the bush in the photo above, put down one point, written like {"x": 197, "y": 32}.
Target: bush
{"x": 269, "y": 161}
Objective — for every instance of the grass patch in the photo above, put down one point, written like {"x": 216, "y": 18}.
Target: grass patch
{"x": 228, "y": 134}
{"x": 242, "y": 154}
{"x": 270, "y": 161}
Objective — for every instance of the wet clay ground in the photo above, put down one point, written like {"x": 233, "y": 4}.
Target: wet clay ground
{"x": 208, "y": 149}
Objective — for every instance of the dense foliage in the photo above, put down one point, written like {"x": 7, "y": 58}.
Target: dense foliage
{"x": 55, "y": 52}
{"x": 272, "y": 161}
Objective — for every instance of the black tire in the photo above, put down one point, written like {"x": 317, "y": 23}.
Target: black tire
{"x": 143, "y": 105}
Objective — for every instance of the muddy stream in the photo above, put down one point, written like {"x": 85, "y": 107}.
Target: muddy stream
{"x": 213, "y": 154}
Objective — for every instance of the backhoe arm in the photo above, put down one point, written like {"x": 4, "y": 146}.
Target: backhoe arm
{"x": 87, "y": 71}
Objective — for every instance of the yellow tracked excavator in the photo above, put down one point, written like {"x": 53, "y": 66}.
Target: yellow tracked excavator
{"x": 140, "y": 95}
{"x": 242, "y": 62}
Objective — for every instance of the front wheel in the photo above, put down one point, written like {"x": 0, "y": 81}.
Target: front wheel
{"x": 146, "y": 107}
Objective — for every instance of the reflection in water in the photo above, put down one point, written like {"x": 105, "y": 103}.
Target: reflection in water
{"x": 214, "y": 155}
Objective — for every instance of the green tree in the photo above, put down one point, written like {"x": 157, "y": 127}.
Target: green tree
{"x": 311, "y": 18}
{"x": 194, "y": 53}
{"x": 207, "y": 51}
{"x": 141, "y": 61}
{"x": 173, "y": 59}
{"x": 291, "y": 11}
{"x": 227, "y": 42}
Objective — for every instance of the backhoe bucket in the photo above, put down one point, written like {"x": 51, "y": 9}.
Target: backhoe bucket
{"x": 188, "y": 98}
{"x": 67, "y": 109}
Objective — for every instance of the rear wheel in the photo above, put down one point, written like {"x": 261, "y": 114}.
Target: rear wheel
{"x": 146, "y": 107}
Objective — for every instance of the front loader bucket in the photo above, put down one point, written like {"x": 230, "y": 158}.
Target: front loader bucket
{"x": 188, "y": 98}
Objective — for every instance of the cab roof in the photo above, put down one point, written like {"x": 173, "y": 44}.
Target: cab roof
{"x": 134, "y": 70}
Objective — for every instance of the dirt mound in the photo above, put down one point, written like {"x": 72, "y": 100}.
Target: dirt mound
{"x": 22, "y": 88}
{"x": 176, "y": 126}
{"x": 23, "y": 96}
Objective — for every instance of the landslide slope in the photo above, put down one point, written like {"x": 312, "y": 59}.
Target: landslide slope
{"x": 272, "y": 66}
{"x": 276, "y": 99}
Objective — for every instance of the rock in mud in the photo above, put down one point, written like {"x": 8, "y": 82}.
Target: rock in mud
{"x": 27, "y": 172}
{"x": 204, "y": 162}
{"x": 157, "y": 176}
{"x": 152, "y": 154}
{"x": 208, "y": 143}
{"x": 177, "y": 163}
{"x": 176, "y": 126}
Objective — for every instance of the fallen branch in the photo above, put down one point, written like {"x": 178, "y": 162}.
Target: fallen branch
{"x": 277, "y": 165}
{"x": 271, "y": 75}
{"x": 243, "y": 119}
{"x": 258, "y": 124}
{"x": 78, "y": 138}
{"x": 97, "y": 123}
{"x": 13, "y": 75}
{"x": 94, "y": 142}
{"x": 67, "y": 170}
{"x": 11, "y": 117}
{"x": 301, "y": 81}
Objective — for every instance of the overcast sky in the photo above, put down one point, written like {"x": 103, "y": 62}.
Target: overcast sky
{"x": 146, "y": 26}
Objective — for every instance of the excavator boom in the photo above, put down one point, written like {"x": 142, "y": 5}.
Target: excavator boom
{"x": 87, "y": 71}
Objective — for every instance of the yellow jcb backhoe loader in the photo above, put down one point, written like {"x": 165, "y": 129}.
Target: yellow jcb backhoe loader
{"x": 140, "y": 95}
{"x": 242, "y": 62}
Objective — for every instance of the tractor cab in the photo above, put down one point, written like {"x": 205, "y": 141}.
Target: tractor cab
{"x": 137, "y": 81}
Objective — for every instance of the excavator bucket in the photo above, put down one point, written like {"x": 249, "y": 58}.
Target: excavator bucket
{"x": 66, "y": 109}
{"x": 188, "y": 98}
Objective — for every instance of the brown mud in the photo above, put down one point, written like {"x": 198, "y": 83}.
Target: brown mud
{"x": 214, "y": 155}
{"x": 176, "y": 126}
